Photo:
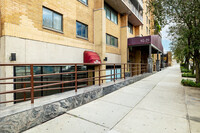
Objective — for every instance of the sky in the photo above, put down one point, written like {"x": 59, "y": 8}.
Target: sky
{"x": 165, "y": 39}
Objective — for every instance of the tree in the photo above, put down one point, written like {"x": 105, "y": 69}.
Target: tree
{"x": 184, "y": 14}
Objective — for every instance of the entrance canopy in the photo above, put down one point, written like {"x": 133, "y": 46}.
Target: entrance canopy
{"x": 153, "y": 40}
{"x": 91, "y": 57}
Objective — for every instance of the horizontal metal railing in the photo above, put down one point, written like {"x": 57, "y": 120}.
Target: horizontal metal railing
{"x": 134, "y": 9}
{"x": 99, "y": 76}
{"x": 141, "y": 3}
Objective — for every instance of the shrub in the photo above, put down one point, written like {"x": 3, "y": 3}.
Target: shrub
{"x": 190, "y": 75}
{"x": 184, "y": 70}
{"x": 198, "y": 85}
{"x": 187, "y": 82}
{"x": 183, "y": 65}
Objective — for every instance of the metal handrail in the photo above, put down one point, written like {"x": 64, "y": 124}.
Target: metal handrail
{"x": 133, "y": 68}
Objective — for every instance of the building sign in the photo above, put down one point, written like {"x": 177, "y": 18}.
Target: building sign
{"x": 97, "y": 62}
{"x": 145, "y": 40}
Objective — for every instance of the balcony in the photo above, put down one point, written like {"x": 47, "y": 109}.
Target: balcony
{"x": 141, "y": 3}
{"x": 129, "y": 7}
{"x": 132, "y": 7}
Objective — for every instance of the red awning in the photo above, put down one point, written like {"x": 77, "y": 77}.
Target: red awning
{"x": 91, "y": 57}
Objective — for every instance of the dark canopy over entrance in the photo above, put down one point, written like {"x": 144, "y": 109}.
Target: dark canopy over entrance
{"x": 154, "y": 41}
{"x": 142, "y": 50}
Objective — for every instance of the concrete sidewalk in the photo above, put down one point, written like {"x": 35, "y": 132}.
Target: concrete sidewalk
{"x": 157, "y": 104}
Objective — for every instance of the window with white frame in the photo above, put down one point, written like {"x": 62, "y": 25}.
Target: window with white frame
{"x": 142, "y": 27}
{"x": 147, "y": 30}
{"x": 81, "y": 30}
{"x": 111, "y": 14}
{"x": 52, "y": 20}
{"x": 84, "y": 1}
{"x": 147, "y": 20}
{"x": 111, "y": 40}
{"x": 130, "y": 28}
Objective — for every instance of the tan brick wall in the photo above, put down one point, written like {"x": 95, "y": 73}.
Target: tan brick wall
{"x": 132, "y": 35}
{"x": 114, "y": 30}
{"x": 2, "y": 15}
{"x": 145, "y": 24}
{"x": 152, "y": 25}
{"x": 23, "y": 18}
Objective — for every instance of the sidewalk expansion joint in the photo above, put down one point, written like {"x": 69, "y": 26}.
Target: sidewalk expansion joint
{"x": 186, "y": 107}
{"x": 195, "y": 119}
{"x": 136, "y": 104}
{"x": 126, "y": 105}
{"x": 117, "y": 104}
{"x": 87, "y": 120}
{"x": 162, "y": 113}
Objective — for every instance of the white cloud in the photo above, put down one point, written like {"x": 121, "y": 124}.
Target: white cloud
{"x": 165, "y": 37}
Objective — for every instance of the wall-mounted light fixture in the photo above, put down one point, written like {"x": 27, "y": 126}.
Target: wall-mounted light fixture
{"x": 13, "y": 57}
{"x": 105, "y": 59}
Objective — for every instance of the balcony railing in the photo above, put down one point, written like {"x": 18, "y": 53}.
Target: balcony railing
{"x": 31, "y": 83}
{"x": 133, "y": 9}
{"x": 140, "y": 2}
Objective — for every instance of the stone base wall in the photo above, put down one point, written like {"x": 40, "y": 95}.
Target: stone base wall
{"x": 23, "y": 116}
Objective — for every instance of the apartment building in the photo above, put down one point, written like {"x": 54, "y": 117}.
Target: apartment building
{"x": 47, "y": 31}
{"x": 63, "y": 31}
{"x": 148, "y": 21}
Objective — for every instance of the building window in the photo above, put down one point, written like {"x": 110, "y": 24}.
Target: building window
{"x": 25, "y": 71}
{"x": 142, "y": 27}
{"x": 84, "y": 1}
{"x": 81, "y": 30}
{"x": 110, "y": 71}
{"x": 111, "y": 14}
{"x": 130, "y": 28}
{"x": 111, "y": 40}
{"x": 147, "y": 20}
{"x": 52, "y": 20}
{"x": 147, "y": 30}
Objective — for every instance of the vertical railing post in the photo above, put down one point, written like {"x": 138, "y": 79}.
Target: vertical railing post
{"x": 121, "y": 71}
{"x": 114, "y": 72}
{"x": 124, "y": 71}
{"x": 100, "y": 75}
{"x": 131, "y": 70}
{"x": 24, "y": 92}
{"x": 143, "y": 68}
{"x": 62, "y": 87}
{"x": 32, "y": 84}
{"x": 76, "y": 78}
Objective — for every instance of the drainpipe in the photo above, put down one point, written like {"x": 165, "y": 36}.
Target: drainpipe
{"x": 150, "y": 61}
{"x": 158, "y": 62}
{"x": 162, "y": 60}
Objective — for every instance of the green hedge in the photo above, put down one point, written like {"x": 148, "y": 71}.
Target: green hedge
{"x": 183, "y": 65}
{"x": 187, "y": 82}
{"x": 190, "y": 75}
{"x": 184, "y": 70}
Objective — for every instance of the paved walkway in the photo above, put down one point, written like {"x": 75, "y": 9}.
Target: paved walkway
{"x": 157, "y": 104}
